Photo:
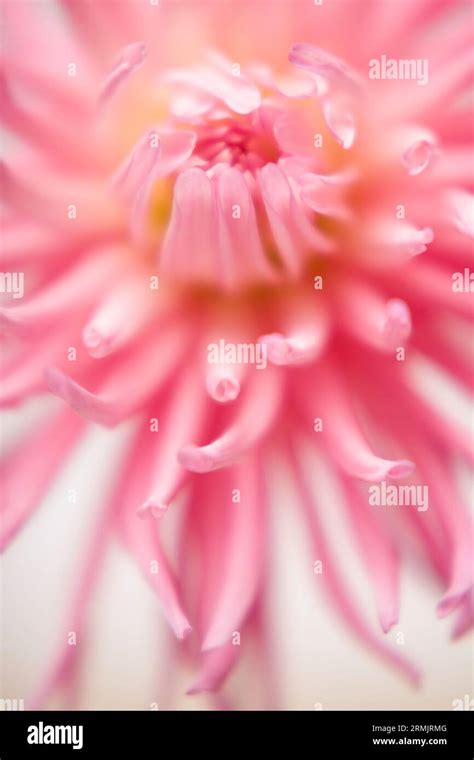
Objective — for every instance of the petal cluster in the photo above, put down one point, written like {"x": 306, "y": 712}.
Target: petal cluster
{"x": 308, "y": 224}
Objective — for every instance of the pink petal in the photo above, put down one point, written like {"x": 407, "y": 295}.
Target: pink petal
{"x": 324, "y": 65}
{"x": 341, "y": 433}
{"x": 237, "y": 563}
{"x": 378, "y": 553}
{"x": 334, "y": 585}
{"x": 238, "y": 93}
{"x": 184, "y": 419}
{"x": 242, "y": 258}
{"x": 190, "y": 246}
{"x": 28, "y": 470}
{"x": 130, "y": 385}
{"x": 367, "y": 316}
{"x": 142, "y": 540}
{"x": 255, "y": 416}
{"x": 157, "y": 154}
{"x": 131, "y": 59}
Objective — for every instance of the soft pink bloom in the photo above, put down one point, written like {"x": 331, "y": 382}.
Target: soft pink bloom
{"x": 241, "y": 153}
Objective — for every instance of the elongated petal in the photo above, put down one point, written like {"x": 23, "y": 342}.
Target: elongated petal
{"x": 291, "y": 229}
{"x": 254, "y": 416}
{"x": 242, "y": 258}
{"x": 234, "y": 90}
{"x": 341, "y": 432}
{"x": 190, "y": 247}
{"x": 27, "y": 471}
{"x": 185, "y": 419}
{"x": 129, "y": 385}
{"x": 383, "y": 324}
{"x": 131, "y": 59}
{"x": 216, "y": 665}
{"x": 142, "y": 538}
{"x": 378, "y": 553}
{"x": 240, "y": 571}
{"x": 336, "y": 589}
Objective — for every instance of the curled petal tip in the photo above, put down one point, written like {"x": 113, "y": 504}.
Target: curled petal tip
{"x": 185, "y": 632}
{"x": 280, "y": 349}
{"x": 417, "y": 157}
{"x": 91, "y": 337}
{"x": 387, "y": 622}
{"x": 156, "y": 509}
{"x": 97, "y": 343}
{"x": 400, "y": 469}
{"x": 134, "y": 54}
{"x": 423, "y": 238}
{"x": 131, "y": 59}
{"x": 86, "y": 404}
{"x": 196, "y": 459}
{"x": 284, "y": 351}
{"x": 448, "y": 603}
{"x": 224, "y": 389}
{"x": 325, "y": 65}
{"x": 340, "y": 121}
{"x": 397, "y": 325}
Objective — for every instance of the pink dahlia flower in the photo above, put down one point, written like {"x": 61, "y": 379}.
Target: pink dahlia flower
{"x": 242, "y": 228}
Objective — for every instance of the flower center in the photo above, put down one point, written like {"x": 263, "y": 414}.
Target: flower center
{"x": 242, "y": 143}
